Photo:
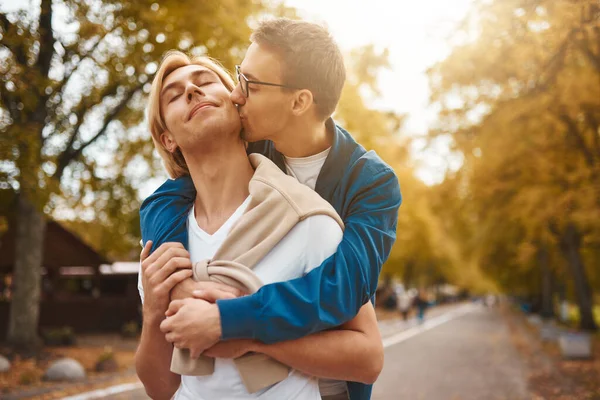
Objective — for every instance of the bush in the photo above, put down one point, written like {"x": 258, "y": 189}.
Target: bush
{"x": 28, "y": 377}
{"x": 106, "y": 361}
{"x": 59, "y": 336}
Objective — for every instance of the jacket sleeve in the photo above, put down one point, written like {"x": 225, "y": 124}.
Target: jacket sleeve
{"x": 333, "y": 293}
{"x": 163, "y": 215}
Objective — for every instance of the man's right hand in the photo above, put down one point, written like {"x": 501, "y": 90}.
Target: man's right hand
{"x": 169, "y": 265}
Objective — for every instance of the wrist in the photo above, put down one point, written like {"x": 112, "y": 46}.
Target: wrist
{"x": 215, "y": 316}
{"x": 152, "y": 317}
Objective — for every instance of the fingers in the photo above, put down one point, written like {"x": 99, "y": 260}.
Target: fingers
{"x": 172, "y": 265}
{"x": 195, "y": 354}
{"x": 146, "y": 250}
{"x": 174, "y": 279}
{"x": 160, "y": 290}
{"x": 166, "y": 326}
{"x": 174, "y": 307}
{"x": 170, "y": 249}
{"x": 171, "y": 337}
{"x": 212, "y": 295}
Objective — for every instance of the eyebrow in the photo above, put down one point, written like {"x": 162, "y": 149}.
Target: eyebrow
{"x": 193, "y": 75}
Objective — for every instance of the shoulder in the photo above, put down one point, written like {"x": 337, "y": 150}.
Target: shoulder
{"x": 359, "y": 161}
{"x": 368, "y": 163}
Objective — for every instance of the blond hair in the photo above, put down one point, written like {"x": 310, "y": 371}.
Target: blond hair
{"x": 311, "y": 58}
{"x": 174, "y": 162}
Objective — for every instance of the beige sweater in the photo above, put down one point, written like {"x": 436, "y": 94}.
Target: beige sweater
{"x": 277, "y": 204}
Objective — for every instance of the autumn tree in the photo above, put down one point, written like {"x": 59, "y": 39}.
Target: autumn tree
{"x": 75, "y": 75}
{"x": 520, "y": 96}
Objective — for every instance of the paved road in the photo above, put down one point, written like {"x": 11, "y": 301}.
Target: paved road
{"x": 461, "y": 353}
{"x": 468, "y": 358}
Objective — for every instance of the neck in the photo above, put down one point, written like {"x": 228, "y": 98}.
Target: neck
{"x": 303, "y": 139}
{"x": 221, "y": 173}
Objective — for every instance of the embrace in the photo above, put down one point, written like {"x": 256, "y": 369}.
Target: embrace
{"x": 262, "y": 253}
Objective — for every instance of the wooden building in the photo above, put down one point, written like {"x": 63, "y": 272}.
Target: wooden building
{"x": 76, "y": 292}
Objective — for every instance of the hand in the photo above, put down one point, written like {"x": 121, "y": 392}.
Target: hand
{"x": 213, "y": 291}
{"x": 205, "y": 290}
{"x": 192, "y": 324}
{"x": 161, "y": 271}
{"x": 230, "y": 348}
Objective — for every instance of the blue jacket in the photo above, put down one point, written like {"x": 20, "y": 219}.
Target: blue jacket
{"x": 364, "y": 191}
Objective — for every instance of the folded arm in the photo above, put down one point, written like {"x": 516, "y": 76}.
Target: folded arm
{"x": 333, "y": 293}
{"x": 354, "y": 352}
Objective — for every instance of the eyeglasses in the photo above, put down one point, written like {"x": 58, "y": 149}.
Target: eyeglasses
{"x": 243, "y": 81}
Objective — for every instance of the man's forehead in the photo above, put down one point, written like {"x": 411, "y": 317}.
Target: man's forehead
{"x": 261, "y": 63}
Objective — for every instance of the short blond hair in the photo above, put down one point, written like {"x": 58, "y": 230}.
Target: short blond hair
{"x": 174, "y": 162}
{"x": 311, "y": 59}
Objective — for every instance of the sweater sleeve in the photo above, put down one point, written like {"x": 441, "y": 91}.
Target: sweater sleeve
{"x": 333, "y": 293}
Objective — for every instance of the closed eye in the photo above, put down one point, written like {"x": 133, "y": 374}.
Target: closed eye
{"x": 174, "y": 98}
{"x": 204, "y": 83}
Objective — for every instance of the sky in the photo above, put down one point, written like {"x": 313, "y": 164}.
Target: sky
{"x": 415, "y": 33}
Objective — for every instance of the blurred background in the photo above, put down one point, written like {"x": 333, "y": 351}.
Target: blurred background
{"x": 488, "y": 110}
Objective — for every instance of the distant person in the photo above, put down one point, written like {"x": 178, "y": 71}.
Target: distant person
{"x": 421, "y": 304}
{"x": 404, "y": 303}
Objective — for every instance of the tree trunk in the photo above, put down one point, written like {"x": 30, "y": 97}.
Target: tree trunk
{"x": 547, "y": 310}
{"x": 25, "y": 303}
{"x": 570, "y": 243}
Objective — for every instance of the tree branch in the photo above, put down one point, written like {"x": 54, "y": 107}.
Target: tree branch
{"x": 46, "y": 38}
{"x": 4, "y": 23}
{"x": 82, "y": 57}
{"x": 17, "y": 50}
{"x": 84, "y": 106}
{"x": 579, "y": 140}
{"x": 595, "y": 125}
{"x": 68, "y": 156}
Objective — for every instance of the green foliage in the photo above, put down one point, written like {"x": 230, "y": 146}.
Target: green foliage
{"x": 63, "y": 336}
{"x": 107, "y": 354}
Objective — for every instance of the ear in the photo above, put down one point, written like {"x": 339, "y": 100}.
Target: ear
{"x": 303, "y": 100}
{"x": 168, "y": 141}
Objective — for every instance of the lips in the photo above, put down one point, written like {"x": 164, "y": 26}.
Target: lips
{"x": 198, "y": 107}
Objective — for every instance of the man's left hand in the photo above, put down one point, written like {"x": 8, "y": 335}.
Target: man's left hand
{"x": 192, "y": 324}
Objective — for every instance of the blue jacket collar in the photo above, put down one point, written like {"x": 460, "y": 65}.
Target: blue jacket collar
{"x": 343, "y": 147}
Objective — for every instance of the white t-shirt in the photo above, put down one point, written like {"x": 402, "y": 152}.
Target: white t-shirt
{"x": 306, "y": 169}
{"x": 305, "y": 247}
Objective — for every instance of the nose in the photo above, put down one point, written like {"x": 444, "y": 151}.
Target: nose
{"x": 237, "y": 97}
{"x": 191, "y": 90}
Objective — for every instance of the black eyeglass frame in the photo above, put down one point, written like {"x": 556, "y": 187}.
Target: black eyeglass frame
{"x": 243, "y": 81}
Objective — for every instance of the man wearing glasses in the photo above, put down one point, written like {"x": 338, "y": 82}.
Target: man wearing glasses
{"x": 289, "y": 84}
